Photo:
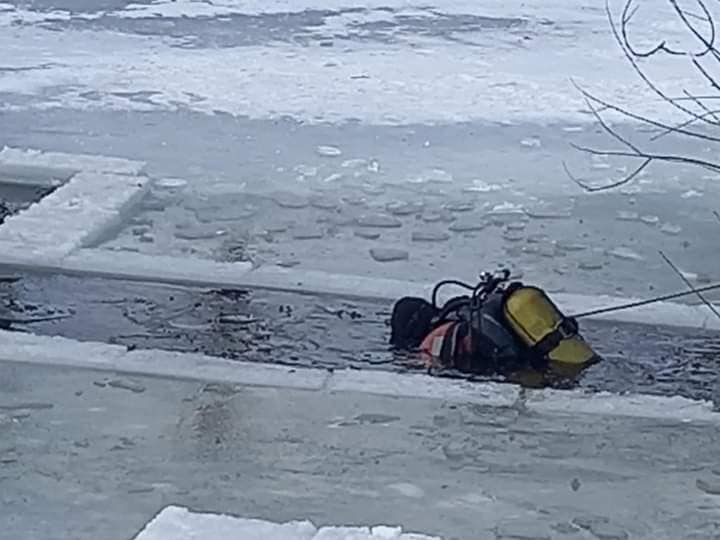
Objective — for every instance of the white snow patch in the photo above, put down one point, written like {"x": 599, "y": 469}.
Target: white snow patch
{"x": 178, "y": 523}
{"x": 430, "y": 80}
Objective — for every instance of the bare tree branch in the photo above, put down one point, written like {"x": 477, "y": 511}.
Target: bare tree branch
{"x": 631, "y": 55}
{"x": 702, "y": 120}
{"x": 690, "y": 285}
{"x": 625, "y": 180}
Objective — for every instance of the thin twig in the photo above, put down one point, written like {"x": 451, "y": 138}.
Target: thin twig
{"x": 684, "y": 124}
{"x": 625, "y": 180}
{"x": 706, "y": 110}
{"x": 701, "y": 25}
{"x": 631, "y": 54}
{"x": 653, "y": 122}
{"x": 690, "y": 285}
{"x": 645, "y": 155}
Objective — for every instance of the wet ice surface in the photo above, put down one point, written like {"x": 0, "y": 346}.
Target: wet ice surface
{"x": 302, "y": 330}
{"x": 595, "y": 244}
{"x": 279, "y": 193}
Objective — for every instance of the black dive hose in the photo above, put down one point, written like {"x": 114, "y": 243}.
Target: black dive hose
{"x": 444, "y": 282}
{"x": 599, "y": 311}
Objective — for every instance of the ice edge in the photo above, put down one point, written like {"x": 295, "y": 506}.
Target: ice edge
{"x": 57, "y": 351}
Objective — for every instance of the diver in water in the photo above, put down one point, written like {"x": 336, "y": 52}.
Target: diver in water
{"x": 501, "y": 327}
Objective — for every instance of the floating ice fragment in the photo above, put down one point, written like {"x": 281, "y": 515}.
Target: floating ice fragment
{"x": 624, "y": 215}
{"x": 571, "y": 247}
{"x": 590, "y": 265}
{"x": 460, "y": 206}
{"x": 389, "y": 254}
{"x": 199, "y": 232}
{"x": 531, "y": 142}
{"x": 290, "y": 200}
{"x": 378, "y": 221}
{"x": 171, "y": 183}
{"x": 468, "y": 225}
{"x": 650, "y": 220}
{"x": 480, "y": 186}
{"x": 399, "y": 208}
{"x": 432, "y": 176}
{"x": 328, "y": 151}
{"x": 670, "y": 229}
{"x": 354, "y": 163}
{"x": 367, "y": 235}
{"x": 429, "y": 236}
{"x": 626, "y": 254}
{"x": 308, "y": 233}
{"x": 513, "y": 236}
{"x": 334, "y": 177}
{"x": 306, "y": 170}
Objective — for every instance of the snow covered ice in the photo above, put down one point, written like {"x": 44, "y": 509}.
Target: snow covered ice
{"x": 175, "y": 523}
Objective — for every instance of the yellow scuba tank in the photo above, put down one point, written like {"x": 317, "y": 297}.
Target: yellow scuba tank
{"x": 540, "y": 325}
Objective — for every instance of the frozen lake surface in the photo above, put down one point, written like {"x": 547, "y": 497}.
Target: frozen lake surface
{"x": 390, "y": 138}
{"x": 385, "y": 138}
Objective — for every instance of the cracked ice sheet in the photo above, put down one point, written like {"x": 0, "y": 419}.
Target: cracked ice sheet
{"x": 218, "y": 8}
{"x": 177, "y": 523}
{"x": 555, "y": 9}
{"x": 430, "y": 80}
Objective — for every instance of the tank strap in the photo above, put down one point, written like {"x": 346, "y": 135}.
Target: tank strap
{"x": 450, "y": 350}
{"x": 566, "y": 328}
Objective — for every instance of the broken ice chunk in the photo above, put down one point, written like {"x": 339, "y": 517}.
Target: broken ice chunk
{"x": 530, "y": 142}
{"x": 650, "y": 220}
{"x": 381, "y": 221}
{"x": 624, "y": 215}
{"x": 389, "y": 254}
{"x": 290, "y": 200}
{"x": 626, "y": 254}
{"x": 308, "y": 233}
{"x": 367, "y": 235}
{"x": 590, "y": 265}
{"x": 479, "y": 186}
{"x": 468, "y": 225}
{"x": 171, "y": 183}
{"x": 429, "y": 236}
{"x": 328, "y": 151}
{"x": 670, "y": 229}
